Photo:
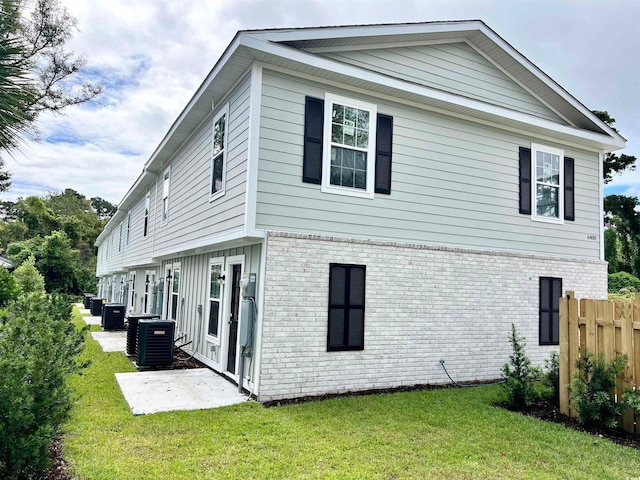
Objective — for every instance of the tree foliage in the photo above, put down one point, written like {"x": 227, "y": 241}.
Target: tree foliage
{"x": 612, "y": 162}
{"x": 519, "y": 375}
{"x": 37, "y": 71}
{"x": 59, "y": 231}
{"x": 28, "y": 278}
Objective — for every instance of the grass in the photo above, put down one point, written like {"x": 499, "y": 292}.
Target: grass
{"x": 449, "y": 433}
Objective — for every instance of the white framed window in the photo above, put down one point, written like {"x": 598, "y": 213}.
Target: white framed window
{"x": 174, "y": 292}
{"x": 147, "y": 203}
{"x": 214, "y": 306}
{"x": 120, "y": 239}
{"x": 165, "y": 194}
{"x": 547, "y": 194}
{"x": 219, "y": 154}
{"x": 348, "y": 162}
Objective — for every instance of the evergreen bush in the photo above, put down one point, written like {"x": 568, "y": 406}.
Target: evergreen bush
{"x": 519, "y": 376}
{"x": 591, "y": 389}
{"x": 28, "y": 277}
{"x": 38, "y": 349}
{"x": 620, "y": 280}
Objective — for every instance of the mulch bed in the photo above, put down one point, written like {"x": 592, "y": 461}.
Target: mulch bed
{"x": 550, "y": 412}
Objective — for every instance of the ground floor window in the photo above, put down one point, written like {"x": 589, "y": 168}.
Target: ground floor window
{"x": 215, "y": 283}
{"x": 346, "y": 307}
{"x": 550, "y": 293}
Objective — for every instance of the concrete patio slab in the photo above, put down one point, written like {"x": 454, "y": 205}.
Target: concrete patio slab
{"x": 111, "y": 341}
{"x": 92, "y": 320}
{"x": 169, "y": 390}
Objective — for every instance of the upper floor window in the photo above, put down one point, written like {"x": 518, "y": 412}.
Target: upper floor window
{"x": 547, "y": 183}
{"x": 120, "y": 239}
{"x": 165, "y": 195}
{"x": 547, "y": 172}
{"x": 128, "y": 227}
{"x": 349, "y": 137}
{"x": 146, "y": 215}
{"x": 218, "y": 160}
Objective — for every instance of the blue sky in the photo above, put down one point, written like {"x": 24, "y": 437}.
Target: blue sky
{"x": 151, "y": 55}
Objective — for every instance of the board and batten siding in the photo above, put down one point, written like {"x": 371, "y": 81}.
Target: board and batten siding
{"x": 453, "y": 67}
{"x": 194, "y": 285}
{"x": 455, "y": 182}
{"x": 192, "y": 216}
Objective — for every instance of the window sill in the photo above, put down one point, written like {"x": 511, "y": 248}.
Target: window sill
{"x": 557, "y": 221}
{"x": 212, "y": 340}
{"x": 216, "y": 195}
{"x": 349, "y": 192}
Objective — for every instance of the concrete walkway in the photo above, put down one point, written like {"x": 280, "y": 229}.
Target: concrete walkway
{"x": 89, "y": 320}
{"x": 168, "y": 390}
{"x": 111, "y": 341}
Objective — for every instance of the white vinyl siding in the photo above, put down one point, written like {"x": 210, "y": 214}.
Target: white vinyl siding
{"x": 194, "y": 216}
{"x": 455, "y": 182}
{"x": 456, "y": 68}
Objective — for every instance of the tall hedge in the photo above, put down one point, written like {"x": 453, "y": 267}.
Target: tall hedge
{"x": 38, "y": 350}
{"x": 620, "y": 280}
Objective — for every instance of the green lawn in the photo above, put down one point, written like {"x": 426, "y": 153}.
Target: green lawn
{"x": 449, "y": 433}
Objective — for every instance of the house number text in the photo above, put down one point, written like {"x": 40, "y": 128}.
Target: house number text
{"x": 592, "y": 237}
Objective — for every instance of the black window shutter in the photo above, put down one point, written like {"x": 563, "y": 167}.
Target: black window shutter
{"x": 525, "y": 180}
{"x": 549, "y": 314}
{"x": 313, "y": 128}
{"x": 384, "y": 141}
{"x": 569, "y": 198}
{"x": 346, "y": 307}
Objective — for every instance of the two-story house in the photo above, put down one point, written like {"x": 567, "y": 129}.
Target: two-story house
{"x": 402, "y": 194}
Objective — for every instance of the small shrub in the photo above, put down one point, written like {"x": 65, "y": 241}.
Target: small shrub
{"x": 519, "y": 376}
{"x": 551, "y": 377}
{"x": 632, "y": 399}
{"x": 591, "y": 390}
{"x": 28, "y": 277}
{"x": 38, "y": 348}
{"x": 9, "y": 289}
{"x": 620, "y": 280}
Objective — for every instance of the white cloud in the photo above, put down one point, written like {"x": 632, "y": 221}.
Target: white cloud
{"x": 152, "y": 55}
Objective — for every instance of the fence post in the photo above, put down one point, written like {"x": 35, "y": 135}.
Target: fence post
{"x": 564, "y": 354}
{"x": 626, "y": 337}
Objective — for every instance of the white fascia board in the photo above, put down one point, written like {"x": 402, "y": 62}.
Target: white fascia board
{"x": 231, "y": 49}
{"x": 358, "y": 31}
{"x": 549, "y": 82}
{"x": 124, "y": 206}
{"x": 208, "y": 244}
{"x": 309, "y": 59}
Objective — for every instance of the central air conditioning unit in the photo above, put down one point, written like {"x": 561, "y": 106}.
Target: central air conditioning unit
{"x": 96, "y": 306}
{"x": 155, "y": 343}
{"x": 87, "y": 300}
{"x": 133, "y": 320}
{"x": 113, "y": 316}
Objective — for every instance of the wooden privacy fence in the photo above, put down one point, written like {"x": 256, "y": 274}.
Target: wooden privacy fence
{"x": 601, "y": 326}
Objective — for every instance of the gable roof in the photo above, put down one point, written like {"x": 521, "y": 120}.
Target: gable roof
{"x": 297, "y": 50}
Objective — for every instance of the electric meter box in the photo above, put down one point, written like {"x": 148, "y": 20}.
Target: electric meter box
{"x": 248, "y": 284}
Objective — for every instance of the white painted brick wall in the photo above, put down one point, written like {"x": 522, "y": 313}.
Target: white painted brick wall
{"x": 423, "y": 304}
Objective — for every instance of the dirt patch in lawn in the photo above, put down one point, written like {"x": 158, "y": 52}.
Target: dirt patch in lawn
{"x": 548, "y": 411}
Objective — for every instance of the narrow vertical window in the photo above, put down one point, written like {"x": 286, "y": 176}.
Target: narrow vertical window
{"x": 215, "y": 273}
{"x": 120, "y": 239}
{"x": 133, "y": 289}
{"x": 548, "y": 174}
{"x": 346, "y": 307}
{"x": 175, "y": 293}
{"x": 146, "y": 215}
{"x": 550, "y": 293}
{"x": 165, "y": 196}
{"x": 128, "y": 227}
{"x": 218, "y": 155}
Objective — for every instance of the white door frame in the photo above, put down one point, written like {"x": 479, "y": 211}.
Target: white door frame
{"x": 224, "y": 330}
